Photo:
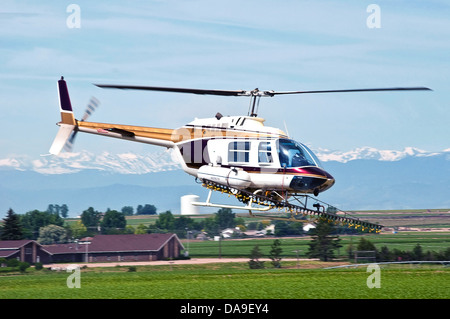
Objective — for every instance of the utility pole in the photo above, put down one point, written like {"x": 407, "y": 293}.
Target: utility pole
{"x": 219, "y": 239}
{"x": 86, "y": 243}
{"x": 186, "y": 253}
{"x": 298, "y": 260}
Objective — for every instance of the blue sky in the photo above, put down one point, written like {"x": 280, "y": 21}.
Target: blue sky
{"x": 284, "y": 45}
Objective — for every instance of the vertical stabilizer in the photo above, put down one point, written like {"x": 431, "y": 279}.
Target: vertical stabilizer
{"x": 64, "y": 103}
{"x": 68, "y": 123}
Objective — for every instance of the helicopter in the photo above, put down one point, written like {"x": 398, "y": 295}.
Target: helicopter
{"x": 238, "y": 155}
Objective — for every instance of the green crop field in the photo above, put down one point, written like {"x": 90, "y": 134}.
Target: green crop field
{"x": 433, "y": 241}
{"x": 231, "y": 281}
{"x": 236, "y": 281}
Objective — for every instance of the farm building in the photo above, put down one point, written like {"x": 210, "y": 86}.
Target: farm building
{"x": 101, "y": 248}
{"x": 23, "y": 250}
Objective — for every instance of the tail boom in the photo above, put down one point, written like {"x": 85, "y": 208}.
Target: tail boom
{"x": 68, "y": 125}
{"x": 148, "y": 135}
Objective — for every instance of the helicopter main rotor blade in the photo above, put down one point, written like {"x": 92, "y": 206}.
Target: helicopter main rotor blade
{"x": 420, "y": 88}
{"x": 176, "y": 90}
{"x": 253, "y": 93}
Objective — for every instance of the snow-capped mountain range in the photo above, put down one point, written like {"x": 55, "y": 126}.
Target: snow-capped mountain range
{"x": 366, "y": 178}
{"x": 65, "y": 163}
{"x": 374, "y": 154}
{"x": 130, "y": 163}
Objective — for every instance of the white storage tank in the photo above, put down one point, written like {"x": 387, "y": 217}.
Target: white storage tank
{"x": 186, "y": 205}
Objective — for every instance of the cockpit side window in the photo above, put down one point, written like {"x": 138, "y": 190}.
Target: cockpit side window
{"x": 293, "y": 154}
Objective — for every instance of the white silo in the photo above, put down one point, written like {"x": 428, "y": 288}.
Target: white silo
{"x": 186, "y": 205}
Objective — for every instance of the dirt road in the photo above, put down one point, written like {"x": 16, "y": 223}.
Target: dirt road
{"x": 162, "y": 262}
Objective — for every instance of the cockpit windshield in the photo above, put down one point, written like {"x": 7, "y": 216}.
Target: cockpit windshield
{"x": 294, "y": 154}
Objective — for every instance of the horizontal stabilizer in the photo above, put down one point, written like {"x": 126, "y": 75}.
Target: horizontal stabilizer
{"x": 61, "y": 138}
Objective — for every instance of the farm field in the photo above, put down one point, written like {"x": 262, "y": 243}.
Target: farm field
{"x": 235, "y": 280}
{"x": 432, "y": 241}
{"x": 231, "y": 281}
{"x": 413, "y": 218}
{"x": 416, "y": 219}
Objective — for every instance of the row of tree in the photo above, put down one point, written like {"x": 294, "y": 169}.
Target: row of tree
{"x": 48, "y": 227}
{"x": 63, "y": 210}
{"x": 114, "y": 221}
{"x": 384, "y": 254}
{"x": 60, "y": 210}
{"x": 322, "y": 245}
{"x": 274, "y": 254}
{"x": 324, "y": 242}
{"x": 224, "y": 218}
{"x": 27, "y": 226}
{"x": 146, "y": 209}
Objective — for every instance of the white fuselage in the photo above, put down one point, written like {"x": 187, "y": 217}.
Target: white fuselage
{"x": 240, "y": 152}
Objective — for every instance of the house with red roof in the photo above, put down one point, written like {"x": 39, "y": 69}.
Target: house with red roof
{"x": 23, "y": 250}
{"x": 100, "y": 248}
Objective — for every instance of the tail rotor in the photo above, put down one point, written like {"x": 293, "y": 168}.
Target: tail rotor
{"x": 93, "y": 104}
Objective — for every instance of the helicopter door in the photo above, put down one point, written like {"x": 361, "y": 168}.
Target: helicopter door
{"x": 265, "y": 156}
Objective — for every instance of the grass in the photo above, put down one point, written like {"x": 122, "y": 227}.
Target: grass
{"x": 433, "y": 241}
{"x": 236, "y": 281}
{"x": 230, "y": 281}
